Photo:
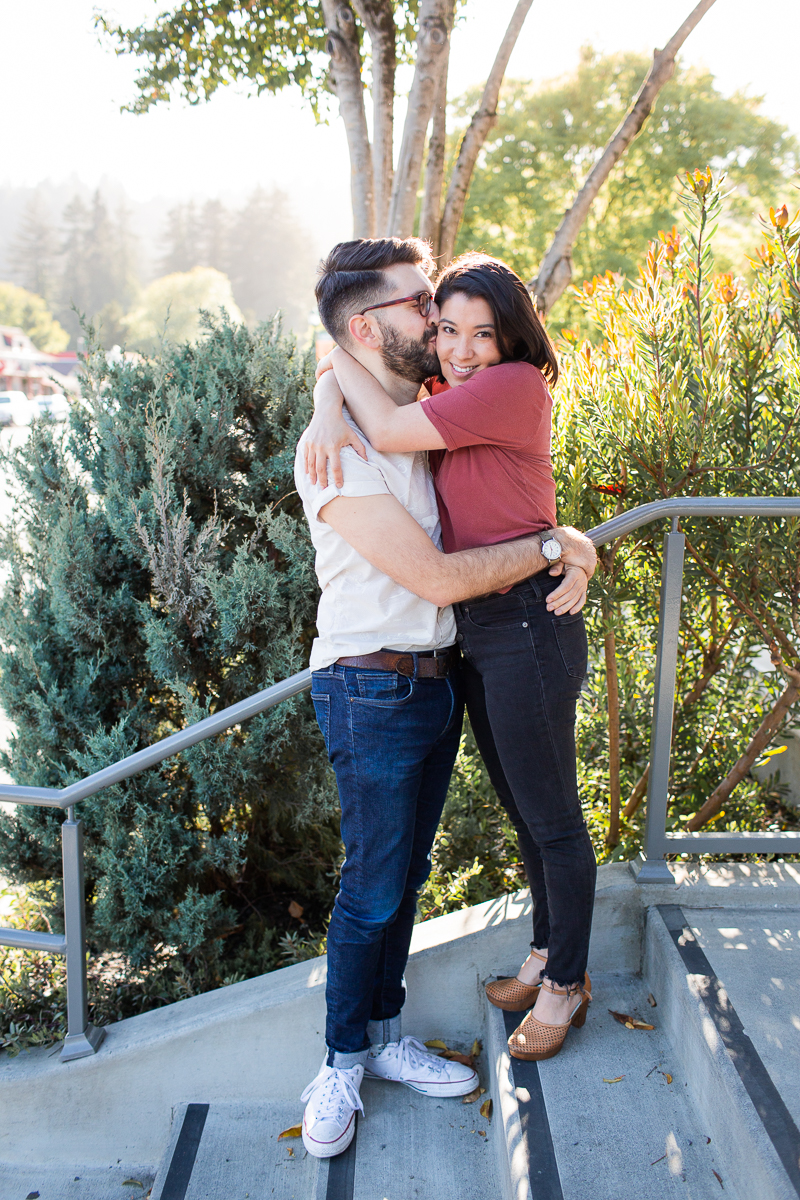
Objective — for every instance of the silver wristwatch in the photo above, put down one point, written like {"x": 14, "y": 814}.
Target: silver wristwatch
{"x": 551, "y": 549}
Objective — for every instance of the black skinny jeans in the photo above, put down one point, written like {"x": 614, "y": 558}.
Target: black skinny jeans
{"x": 523, "y": 668}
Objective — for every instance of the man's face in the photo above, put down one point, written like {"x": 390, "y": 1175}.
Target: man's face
{"x": 408, "y": 340}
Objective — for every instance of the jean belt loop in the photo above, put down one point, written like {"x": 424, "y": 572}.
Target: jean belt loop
{"x": 415, "y": 674}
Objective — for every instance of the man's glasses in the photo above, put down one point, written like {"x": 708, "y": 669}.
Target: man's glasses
{"x": 423, "y": 302}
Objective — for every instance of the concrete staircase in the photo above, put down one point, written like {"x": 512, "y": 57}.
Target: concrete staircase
{"x": 705, "y": 1105}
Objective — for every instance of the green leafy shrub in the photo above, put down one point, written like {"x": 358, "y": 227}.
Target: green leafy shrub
{"x": 159, "y": 570}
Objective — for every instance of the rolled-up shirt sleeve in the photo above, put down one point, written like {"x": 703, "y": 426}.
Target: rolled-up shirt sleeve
{"x": 503, "y": 405}
{"x": 360, "y": 479}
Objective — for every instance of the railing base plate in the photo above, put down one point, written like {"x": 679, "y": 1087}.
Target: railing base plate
{"x": 79, "y": 1045}
{"x": 651, "y": 870}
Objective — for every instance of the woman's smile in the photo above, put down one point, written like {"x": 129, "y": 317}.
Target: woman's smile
{"x": 466, "y": 340}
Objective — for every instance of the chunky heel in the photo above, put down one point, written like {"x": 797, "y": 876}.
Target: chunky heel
{"x": 534, "y": 1040}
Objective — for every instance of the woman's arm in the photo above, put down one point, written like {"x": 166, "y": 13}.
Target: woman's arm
{"x": 387, "y": 425}
{"x": 328, "y": 433}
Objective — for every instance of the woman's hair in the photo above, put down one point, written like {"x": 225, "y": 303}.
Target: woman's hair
{"x": 518, "y": 329}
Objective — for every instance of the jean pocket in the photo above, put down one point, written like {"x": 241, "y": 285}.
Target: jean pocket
{"x": 380, "y": 687}
{"x": 322, "y": 707}
{"x": 573, "y": 645}
{"x": 497, "y": 612}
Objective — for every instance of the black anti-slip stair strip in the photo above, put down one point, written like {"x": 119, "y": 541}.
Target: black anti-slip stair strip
{"x": 185, "y": 1153}
{"x": 767, "y": 1101}
{"x": 534, "y": 1123}
{"x": 342, "y": 1171}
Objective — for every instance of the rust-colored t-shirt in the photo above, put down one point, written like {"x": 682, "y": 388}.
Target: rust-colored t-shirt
{"x": 494, "y": 482}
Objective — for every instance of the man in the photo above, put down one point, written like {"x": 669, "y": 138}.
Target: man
{"x": 385, "y": 681}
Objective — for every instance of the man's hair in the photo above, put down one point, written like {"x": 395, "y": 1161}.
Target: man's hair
{"x": 352, "y": 276}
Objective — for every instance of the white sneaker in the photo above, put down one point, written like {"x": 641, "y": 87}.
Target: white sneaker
{"x": 329, "y": 1120}
{"x": 409, "y": 1062}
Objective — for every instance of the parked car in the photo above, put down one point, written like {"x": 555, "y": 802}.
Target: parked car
{"x": 55, "y": 406}
{"x": 16, "y": 409}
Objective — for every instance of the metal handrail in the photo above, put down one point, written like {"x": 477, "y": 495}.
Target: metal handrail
{"x": 83, "y": 1038}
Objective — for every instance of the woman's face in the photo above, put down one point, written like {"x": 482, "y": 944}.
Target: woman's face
{"x": 466, "y": 340}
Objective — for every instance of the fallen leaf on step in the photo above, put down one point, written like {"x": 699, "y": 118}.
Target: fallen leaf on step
{"x": 295, "y": 910}
{"x": 486, "y": 1110}
{"x": 630, "y": 1022}
{"x": 651, "y": 1000}
{"x": 708, "y": 1141}
{"x": 133, "y": 1183}
{"x": 616, "y": 1079}
{"x": 473, "y": 1096}
{"x": 481, "y": 1133}
{"x": 454, "y": 1056}
{"x": 667, "y": 1076}
{"x": 718, "y": 1178}
{"x": 435, "y": 1044}
{"x": 292, "y": 1131}
{"x": 290, "y": 1151}
{"x": 476, "y": 1048}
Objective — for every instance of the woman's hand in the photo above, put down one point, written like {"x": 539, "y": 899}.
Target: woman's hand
{"x": 328, "y": 433}
{"x": 570, "y": 595}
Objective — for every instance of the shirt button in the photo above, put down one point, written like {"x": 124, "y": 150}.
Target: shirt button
{"x": 524, "y": 624}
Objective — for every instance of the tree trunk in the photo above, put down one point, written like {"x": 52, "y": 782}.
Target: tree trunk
{"x": 377, "y": 17}
{"x": 637, "y": 795}
{"x": 432, "y": 40}
{"x": 343, "y": 48}
{"x": 764, "y": 735}
{"x": 612, "y": 691}
{"x": 482, "y": 121}
{"x": 555, "y": 271}
{"x": 430, "y": 221}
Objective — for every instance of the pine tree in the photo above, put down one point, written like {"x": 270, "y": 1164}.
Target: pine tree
{"x": 271, "y": 262}
{"x": 181, "y": 241}
{"x": 34, "y": 250}
{"x": 98, "y": 273}
{"x": 159, "y": 571}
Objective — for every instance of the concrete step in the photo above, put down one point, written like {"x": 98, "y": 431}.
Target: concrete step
{"x": 568, "y": 1133}
{"x": 75, "y": 1183}
{"x": 727, "y": 981}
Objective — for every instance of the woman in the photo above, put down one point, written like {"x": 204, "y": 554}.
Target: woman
{"x": 486, "y": 422}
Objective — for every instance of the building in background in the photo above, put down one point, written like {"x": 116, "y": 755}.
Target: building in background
{"x": 24, "y": 368}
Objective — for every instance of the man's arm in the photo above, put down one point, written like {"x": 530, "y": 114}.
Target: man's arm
{"x": 381, "y": 530}
{"x": 389, "y": 427}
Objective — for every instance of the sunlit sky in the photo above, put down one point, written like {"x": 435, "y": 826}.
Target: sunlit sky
{"x": 63, "y": 88}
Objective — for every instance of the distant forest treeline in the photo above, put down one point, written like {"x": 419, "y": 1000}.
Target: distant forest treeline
{"x": 95, "y": 253}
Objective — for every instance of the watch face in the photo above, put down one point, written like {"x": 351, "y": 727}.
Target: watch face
{"x": 551, "y": 549}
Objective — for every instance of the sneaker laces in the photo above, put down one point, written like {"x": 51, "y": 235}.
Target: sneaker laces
{"x": 416, "y": 1054}
{"x": 336, "y": 1089}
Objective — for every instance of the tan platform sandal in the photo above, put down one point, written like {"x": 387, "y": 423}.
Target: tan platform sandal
{"x": 512, "y": 995}
{"x": 534, "y": 1041}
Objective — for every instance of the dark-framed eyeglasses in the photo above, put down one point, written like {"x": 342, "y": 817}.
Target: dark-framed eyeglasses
{"x": 423, "y": 301}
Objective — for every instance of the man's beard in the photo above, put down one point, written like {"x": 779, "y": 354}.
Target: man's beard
{"x": 407, "y": 357}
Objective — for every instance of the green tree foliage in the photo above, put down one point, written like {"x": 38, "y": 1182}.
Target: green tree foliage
{"x": 691, "y": 386}
{"x": 266, "y": 254}
{"x": 98, "y": 275}
{"x": 33, "y": 255}
{"x": 29, "y": 312}
{"x": 547, "y": 139}
{"x": 158, "y": 571}
{"x": 175, "y": 304}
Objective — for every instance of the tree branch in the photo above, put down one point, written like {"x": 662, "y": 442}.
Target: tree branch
{"x": 377, "y": 17}
{"x": 476, "y": 134}
{"x": 430, "y": 221}
{"x": 345, "y": 54}
{"x": 432, "y": 40}
{"x": 761, "y": 739}
{"x": 555, "y": 271}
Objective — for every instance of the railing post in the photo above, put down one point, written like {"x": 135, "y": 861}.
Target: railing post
{"x": 653, "y": 868}
{"x": 82, "y": 1038}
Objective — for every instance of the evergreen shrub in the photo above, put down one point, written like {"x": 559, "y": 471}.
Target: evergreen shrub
{"x": 158, "y": 569}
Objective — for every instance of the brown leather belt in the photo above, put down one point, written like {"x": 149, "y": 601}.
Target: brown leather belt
{"x": 431, "y": 664}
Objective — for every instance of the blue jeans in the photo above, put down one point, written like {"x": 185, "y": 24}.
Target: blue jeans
{"x": 522, "y": 672}
{"x": 392, "y": 742}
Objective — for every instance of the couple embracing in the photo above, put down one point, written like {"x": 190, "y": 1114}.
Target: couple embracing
{"x": 445, "y": 581}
